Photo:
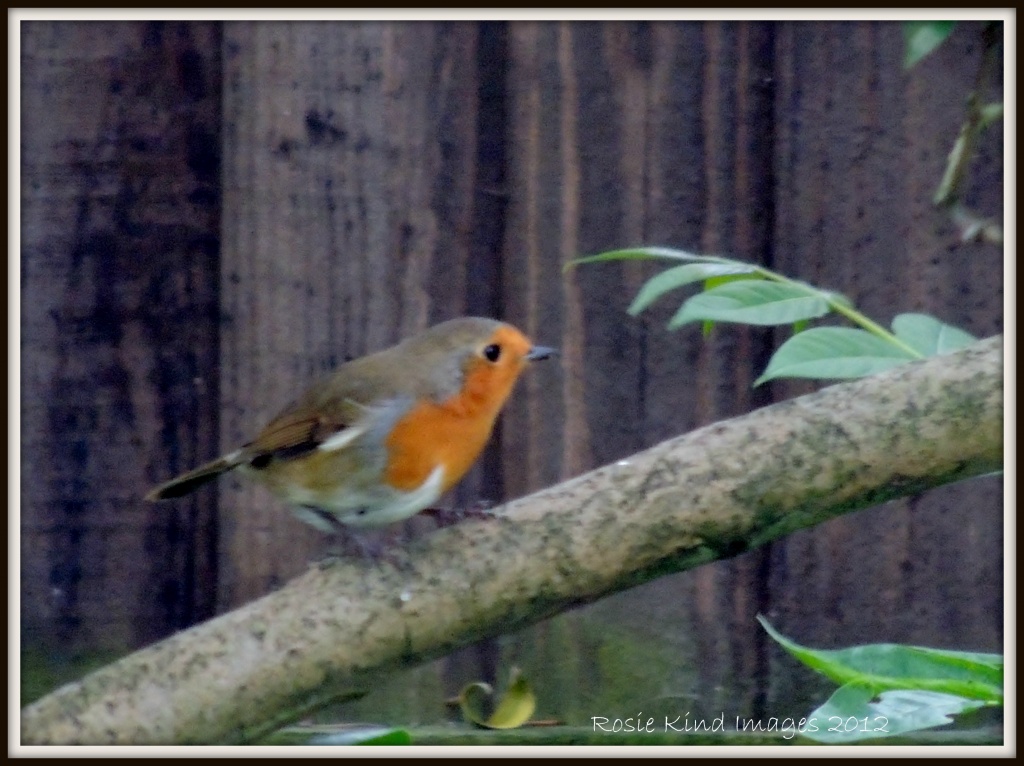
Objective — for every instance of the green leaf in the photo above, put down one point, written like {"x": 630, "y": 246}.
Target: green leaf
{"x": 882, "y": 667}
{"x": 991, "y": 113}
{"x": 922, "y": 37}
{"x": 850, "y": 715}
{"x": 929, "y": 336}
{"x": 362, "y": 735}
{"x": 637, "y": 253}
{"x": 514, "y": 709}
{"x": 834, "y": 297}
{"x": 679, "y": 276}
{"x": 755, "y": 302}
{"x": 393, "y": 737}
{"x": 833, "y": 353}
{"x": 724, "y": 279}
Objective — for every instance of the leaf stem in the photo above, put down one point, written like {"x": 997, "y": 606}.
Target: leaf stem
{"x": 841, "y": 307}
{"x": 856, "y": 317}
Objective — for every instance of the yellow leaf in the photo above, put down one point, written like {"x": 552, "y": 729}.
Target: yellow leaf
{"x": 514, "y": 709}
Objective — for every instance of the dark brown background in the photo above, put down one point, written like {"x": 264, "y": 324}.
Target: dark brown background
{"x": 213, "y": 214}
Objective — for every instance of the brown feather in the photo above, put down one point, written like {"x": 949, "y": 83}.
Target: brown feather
{"x": 294, "y": 433}
{"x": 186, "y": 482}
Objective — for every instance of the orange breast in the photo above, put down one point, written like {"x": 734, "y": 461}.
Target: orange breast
{"x": 451, "y": 433}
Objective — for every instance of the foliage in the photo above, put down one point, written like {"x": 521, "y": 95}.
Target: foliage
{"x": 922, "y": 37}
{"x": 343, "y": 734}
{"x": 735, "y": 291}
{"x": 890, "y": 689}
{"x": 513, "y": 710}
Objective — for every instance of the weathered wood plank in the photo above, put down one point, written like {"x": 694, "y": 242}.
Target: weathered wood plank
{"x": 349, "y": 185}
{"x": 120, "y": 218}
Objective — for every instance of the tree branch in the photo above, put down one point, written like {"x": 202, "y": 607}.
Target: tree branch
{"x": 709, "y": 494}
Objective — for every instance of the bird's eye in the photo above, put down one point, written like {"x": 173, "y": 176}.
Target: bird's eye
{"x": 492, "y": 352}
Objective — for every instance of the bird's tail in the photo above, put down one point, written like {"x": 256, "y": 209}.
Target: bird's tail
{"x": 182, "y": 485}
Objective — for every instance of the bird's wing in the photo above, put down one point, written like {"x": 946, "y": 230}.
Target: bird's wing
{"x": 303, "y": 429}
{"x": 362, "y": 397}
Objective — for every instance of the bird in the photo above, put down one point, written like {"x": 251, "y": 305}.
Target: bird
{"x": 384, "y": 436}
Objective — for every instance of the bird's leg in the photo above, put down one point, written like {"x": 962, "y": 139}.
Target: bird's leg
{"x": 446, "y": 517}
{"x": 377, "y": 549}
{"x": 342, "y": 537}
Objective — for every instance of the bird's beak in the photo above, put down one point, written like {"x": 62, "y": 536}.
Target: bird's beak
{"x": 540, "y": 352}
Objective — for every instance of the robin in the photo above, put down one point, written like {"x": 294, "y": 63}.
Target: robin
{"x": 385, "y": 435}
